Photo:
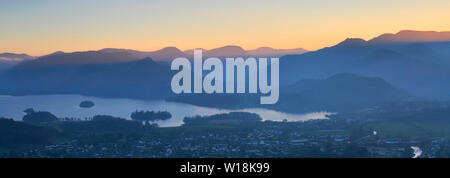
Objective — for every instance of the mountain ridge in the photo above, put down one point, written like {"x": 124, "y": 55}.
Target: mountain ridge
{"x": 14, "y": 56}
{"x": 412, "y": 36}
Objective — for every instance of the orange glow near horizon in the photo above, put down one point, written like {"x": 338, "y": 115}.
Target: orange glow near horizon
{"x": 48, "y": 26}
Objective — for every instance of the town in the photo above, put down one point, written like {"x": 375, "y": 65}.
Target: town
{"x": 248, "y": 138}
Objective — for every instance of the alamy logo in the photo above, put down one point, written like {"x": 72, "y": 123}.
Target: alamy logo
{"x": 213, "y": 81}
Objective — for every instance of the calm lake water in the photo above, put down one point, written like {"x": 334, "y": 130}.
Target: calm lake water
{"x": 68, "y": 106}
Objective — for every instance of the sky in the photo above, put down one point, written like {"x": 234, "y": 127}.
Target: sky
{"x": 45, "y": 26}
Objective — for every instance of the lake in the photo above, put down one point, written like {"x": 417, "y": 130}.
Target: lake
{"x": 68, "y": 106}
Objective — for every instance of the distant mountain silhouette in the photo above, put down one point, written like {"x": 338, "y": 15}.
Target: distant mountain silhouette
{"x": 226, "y": 51}
{"x": 412, "y": 36}
{"x": 421, "y": 68}
{"x": 112, "y": 55}
{"x": 103, "y": 56}
{"x": 267, "y": 51}
{"x": 131, "y": 79}
{"x": 8, "y": 60}
{"x": 340, "y": 92}
{"x": 351, "y": 42}
{"x": 237, "y": 51}
{"x": 190, "y": 52}
{"x": 77, "y": 58}
{"x": 14, "y": 57}
{"x": 168, "y": 54}
{"x": 164, "y": 54}
{"x": 107, "y": 72}
{"x": 54, "y": 53}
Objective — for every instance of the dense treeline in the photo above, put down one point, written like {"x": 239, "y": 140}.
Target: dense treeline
{"x": 150, "y": 116}
{"x": 243, "y": 119}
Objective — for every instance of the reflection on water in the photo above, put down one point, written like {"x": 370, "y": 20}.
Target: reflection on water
{"x": 68, "y": 106}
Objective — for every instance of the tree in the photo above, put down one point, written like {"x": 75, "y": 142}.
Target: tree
{"x": 86, "y": 104}
{"x": 39, "y": 117}
{"x": 150, "y": 116}
{"x": 240, "y": 119}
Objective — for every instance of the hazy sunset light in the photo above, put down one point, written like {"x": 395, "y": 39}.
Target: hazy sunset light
{"x": 42, "y": 27}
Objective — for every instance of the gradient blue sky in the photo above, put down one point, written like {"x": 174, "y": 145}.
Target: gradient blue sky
{"x": 44, "y": 26}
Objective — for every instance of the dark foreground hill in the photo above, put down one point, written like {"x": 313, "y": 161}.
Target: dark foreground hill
{"x": 19, "y": 134}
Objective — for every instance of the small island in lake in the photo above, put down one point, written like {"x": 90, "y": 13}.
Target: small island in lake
{"x": 87, "y": 104}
